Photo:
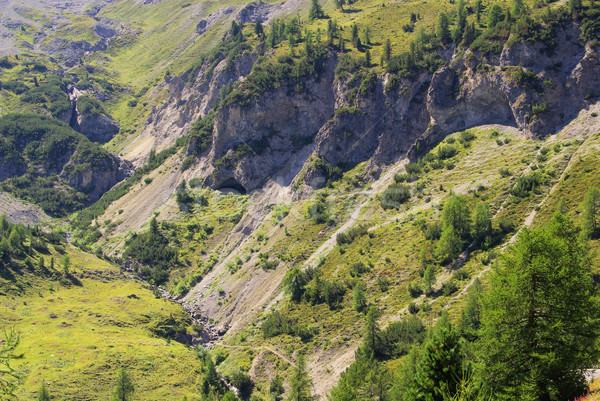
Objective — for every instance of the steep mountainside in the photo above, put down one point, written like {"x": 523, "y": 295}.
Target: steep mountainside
{"x": 332, "y": 181}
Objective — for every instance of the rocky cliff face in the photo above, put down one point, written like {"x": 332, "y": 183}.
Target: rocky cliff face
{"x": 94, "y": 179}
{"x": 343, "y": 121}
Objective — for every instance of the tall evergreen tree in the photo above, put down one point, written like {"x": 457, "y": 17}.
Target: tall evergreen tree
{"x": 541, "y": 317}
{"x": 517, "y": 9}
{"x": 428, "y": 280}
{"x": 591, "y": 209}
{"x": 470, "y": 319}
{"x": 43, "y": 394}
{"x": 387, "y": 50}
{"x": 316, "y": 11}
{"x": 461, "y": 21}
{"x": 482, "y": 224}
{"x": 440, "y": 369}
{"x": 367, "y": 36}
{"x": 442, "y": 30}
{"x": 8, "y": 354}
{"x": 495, "y": 16}
{"x": 456, "y": 214}
{"x": 478, "y": 9}
{"x": 371, "y": 333}
{"x": 359, "y": 298}
{"x": 300, "y": 382}
{"x": 123, "y": 388}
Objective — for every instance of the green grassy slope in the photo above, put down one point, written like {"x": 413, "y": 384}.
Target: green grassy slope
{"x": 77, "y": 329}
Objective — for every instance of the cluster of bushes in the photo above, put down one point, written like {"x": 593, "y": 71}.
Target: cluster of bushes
{"x": 394, "y": 196}
{"x": 527, "y": 184}
{"x": 89, "y": 106}
{"x": 16, "y": 87}
{"x": 318, "y": 211}
{"x": 347, "y": 237}
{"x": 21, "y": 246}
{"x": 201, "y": 134}
{"x": 154, "y": 252}
{"x": 277, "y": 324}
{"x": 51, "y": 95}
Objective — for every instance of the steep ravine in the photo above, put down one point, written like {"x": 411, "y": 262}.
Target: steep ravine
{"x": 379, "y": 126}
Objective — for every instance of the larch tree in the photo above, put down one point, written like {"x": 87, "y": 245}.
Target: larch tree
{"x": 123, "y": 388}
{"x": 591, "y": 208}
{"x": 541, "y": 317}
{"x": 300, "y": 382}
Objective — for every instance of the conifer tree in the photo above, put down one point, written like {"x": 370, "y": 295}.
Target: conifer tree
{"x": 591, "y": 208}
{"x": 316, "y": 11}
{"x": 43, "y": 394}
{"x": 428, "y": 280}
{"x": 517, "y": 9}
{"x": 123, "y": 388}
{"x": 359, "y": 298}
{"x": 300, "y": 382}
{"x": 482, "y": 224}
{"x": 470, "y": 319}
{"x": 442, "y": 30}
{"x": 441, "y": 367}
{"x": 541, "y": 317}
{"x": 387, "y": 50}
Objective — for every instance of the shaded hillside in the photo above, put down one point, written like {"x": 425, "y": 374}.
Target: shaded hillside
{"x": 44, "y": 161}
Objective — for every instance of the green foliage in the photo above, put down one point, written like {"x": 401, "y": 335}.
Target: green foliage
{"x": 89, "y": 106}
{"x": 365, "y": 379}
{"x": 456, "y": 215}
{"x": 429, "y": 280}
{"x": 272, "y": 74}
{"x": 446, "y": 152}
{"x": 495, "y": 16}
{"x": 154, "y": 252}
{"x": 481, "y": 231}
{"x": 441, "y": 367}
{"x": 470, "y": 319}
{"x": 399, "y": 337}
{"x": 347, "y": 237}
{"x": 359, "y": 298}
{"x": 123, "y": 388}
{"x": 295, "y": 281}
{"x": 277, "y": 324}
{"x": 316, "y": 11}
{"x": 51, "y": 95}
{"x": 300, "y": 382}
{"x": 34, "y": 149}
{"x": 443, "y": 29}
{"x": 16, "y": 87}
{"x": 43, "y": 394}
{"x": 201, "y": 134}
{"x": 276, "y": 388}
{"x": 321, "y": 291}
{"x": 319, "y": 210}
{"x": 394, "y": 196}
{"x": 357, "y": 269}
{"x": 243, "y": 383}
{"x": 591, "y": 209}
{"x": 539, "y": 108}
{"x": 8, "y": 354}
{"x": 540, "y": 319}
{"x": 527, "y": 184}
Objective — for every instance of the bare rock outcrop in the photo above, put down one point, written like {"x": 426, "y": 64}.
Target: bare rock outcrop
{"x": 96, "y": 127}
